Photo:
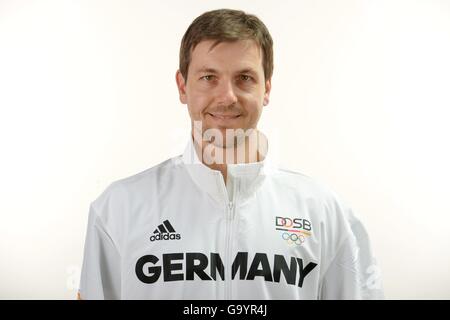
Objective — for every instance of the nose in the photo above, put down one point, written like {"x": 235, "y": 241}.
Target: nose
{"x": 226, "y": 94}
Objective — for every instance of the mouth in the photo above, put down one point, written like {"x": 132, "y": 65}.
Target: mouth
{"x": 224, "y": 117}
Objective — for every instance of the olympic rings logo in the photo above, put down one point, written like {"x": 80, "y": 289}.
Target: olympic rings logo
{"x": 292, "y": 238}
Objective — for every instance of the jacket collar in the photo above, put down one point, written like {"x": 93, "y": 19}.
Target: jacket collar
{"x": 245, "y": 178}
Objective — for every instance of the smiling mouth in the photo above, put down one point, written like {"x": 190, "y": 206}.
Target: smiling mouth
{"x": 224, "y": 116}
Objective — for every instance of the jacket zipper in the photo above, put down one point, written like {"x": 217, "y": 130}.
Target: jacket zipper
{"x": 229, "y": 243}
{"x": 229, "y": 248}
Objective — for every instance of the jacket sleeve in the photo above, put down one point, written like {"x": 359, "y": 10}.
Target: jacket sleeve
{"x": 353, "y": 273}
{"x": 100, "y": 274}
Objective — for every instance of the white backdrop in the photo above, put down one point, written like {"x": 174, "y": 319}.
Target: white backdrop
{"x": 360, "y": 101}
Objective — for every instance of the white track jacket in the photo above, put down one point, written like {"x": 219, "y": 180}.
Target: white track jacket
{"x": 176, "y": 231}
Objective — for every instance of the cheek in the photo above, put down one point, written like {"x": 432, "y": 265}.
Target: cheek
{"x": 254, "y": 110}
{"x": 252, "y": 105}
{"x": 254, "y": 94}
{"x": 197, "y": 103}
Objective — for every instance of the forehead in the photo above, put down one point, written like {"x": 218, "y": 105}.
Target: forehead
{"x": 226, "y": 55}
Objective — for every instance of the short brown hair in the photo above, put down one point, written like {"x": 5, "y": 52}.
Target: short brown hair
{"x": 226, "y": 25}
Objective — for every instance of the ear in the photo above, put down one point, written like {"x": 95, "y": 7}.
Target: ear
{"x": 181, "y": 84}
{"x": 268, "y": 87}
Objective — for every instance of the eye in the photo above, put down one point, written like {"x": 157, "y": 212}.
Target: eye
{"x": 245, "y": 77}
{"x": 208, "y": 77}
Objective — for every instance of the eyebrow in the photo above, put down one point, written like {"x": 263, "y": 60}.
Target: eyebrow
{"x": 207, "y": 70}
{"x": 212, "y": 70}
{"x": 248, "y": 70}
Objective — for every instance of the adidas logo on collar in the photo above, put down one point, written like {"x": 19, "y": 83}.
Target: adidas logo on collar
{"x": 165, "y": 231}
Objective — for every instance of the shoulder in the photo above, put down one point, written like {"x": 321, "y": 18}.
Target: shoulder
{"x": 137, "y": 184}
{"x": 309, "y": 188}
{"x": 329, "y": 207}
{"x": 335, "y": 221}
{"x": 110, "y": 208}
{"x": 300, "y": 182}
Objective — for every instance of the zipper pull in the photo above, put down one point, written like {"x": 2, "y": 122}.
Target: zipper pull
{"x": 230, "y": 210}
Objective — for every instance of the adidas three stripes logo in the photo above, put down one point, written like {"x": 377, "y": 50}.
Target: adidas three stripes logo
{"x": 162, "y": 228}
{"x": 165, "y": 231}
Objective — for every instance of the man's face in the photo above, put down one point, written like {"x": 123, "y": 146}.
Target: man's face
{"x": 225, "y": 86}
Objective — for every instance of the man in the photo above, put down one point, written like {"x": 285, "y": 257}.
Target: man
{"x": 222, "y": 221}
